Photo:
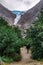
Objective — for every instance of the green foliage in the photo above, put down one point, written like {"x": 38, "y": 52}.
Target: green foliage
{"x": 6, "y": 59}
{"x": 35, "y": 34}
{"x": 10, "y": 41}
{"x": 3, "y": 22}
{"x": 17, "y": 57}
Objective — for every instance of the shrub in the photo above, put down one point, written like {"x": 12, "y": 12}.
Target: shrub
{"x": 10, "y": 41}
{"x": 6, "y": 59}
{"x": 17, "y": 57}
{"x": 35, "y": 34}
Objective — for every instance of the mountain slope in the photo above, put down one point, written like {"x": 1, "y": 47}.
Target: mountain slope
{"x": 30, "y": 15}
{"x": 8, "y": 15}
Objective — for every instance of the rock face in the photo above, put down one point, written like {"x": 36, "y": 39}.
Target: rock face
{"x": 8, "y": 15}
{"x": 30, "y": 16}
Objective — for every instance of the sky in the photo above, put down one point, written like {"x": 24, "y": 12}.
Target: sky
{"x": 21, "y": 5}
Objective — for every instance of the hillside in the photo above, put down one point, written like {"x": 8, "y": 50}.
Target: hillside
{"x": 30, "y": 15}
{"x": 8, "y": 15}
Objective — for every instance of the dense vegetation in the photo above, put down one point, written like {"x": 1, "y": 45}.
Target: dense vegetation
{"x": 10, "y": 42}
{"x": 35, "y": 35}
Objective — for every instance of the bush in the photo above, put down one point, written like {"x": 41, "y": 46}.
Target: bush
{"x": 17, "y": 57}
{"x": 6, "y": 59}
{"x": 3, "y": 22}
{"x": 10, "y": 41}
{"x": 35, "y": 34}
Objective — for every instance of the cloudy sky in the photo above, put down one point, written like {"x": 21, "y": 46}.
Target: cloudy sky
{"x": 21, "y": 5}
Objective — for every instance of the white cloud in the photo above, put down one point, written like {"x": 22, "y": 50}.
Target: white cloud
{"x": 21, "y": 5}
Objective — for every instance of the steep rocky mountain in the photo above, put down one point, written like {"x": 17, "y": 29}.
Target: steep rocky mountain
{"x": 30, "y": 16}
{"x": 8, "y": 15}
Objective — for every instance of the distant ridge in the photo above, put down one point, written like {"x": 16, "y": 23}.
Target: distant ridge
{"x": 5, "y": 11}
{"x": 30, "y": 16}
{"x": 8, "y": 15}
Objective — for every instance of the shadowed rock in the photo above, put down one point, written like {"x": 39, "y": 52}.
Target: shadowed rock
{"x": 30, "y": 16}
{"x": 8, "y": 15}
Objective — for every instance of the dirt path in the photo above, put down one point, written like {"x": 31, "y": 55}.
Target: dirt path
{"x": 26, "y": 59}
{"x": 33, "y": 63}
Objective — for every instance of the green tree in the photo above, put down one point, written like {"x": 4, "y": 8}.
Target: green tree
{"x": 35, "y": 34}
{"x": 10, "y": 41}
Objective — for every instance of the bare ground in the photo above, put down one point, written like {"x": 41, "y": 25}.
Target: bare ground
{"x": 26, "y": 59}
